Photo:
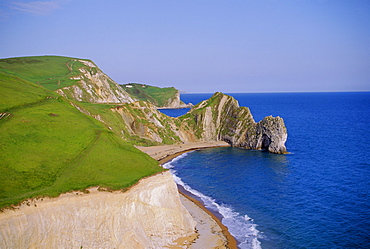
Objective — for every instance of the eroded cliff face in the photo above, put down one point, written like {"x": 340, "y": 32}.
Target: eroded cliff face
{"x": 149, "y": 215}
{"x": 175, "y": 103}
{"x": 94, "y": 86}
{"x": 269, "y": 134}
{"x": 219, "y": 118}
{"x": 144, "y": 120}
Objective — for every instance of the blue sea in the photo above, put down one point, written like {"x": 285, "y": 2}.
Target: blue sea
{"x": 317, "y": 196}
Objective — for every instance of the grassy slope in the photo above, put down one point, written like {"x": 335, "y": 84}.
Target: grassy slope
{"x": 48, "y": 147}
{"x": 155, "y": 95}
{"x": 17, "y": 92}
{"x": 51, "y": 72}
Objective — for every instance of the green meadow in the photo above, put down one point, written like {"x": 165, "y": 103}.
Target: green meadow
{"x": 155, "y": 95}
{"x": 51, "y": 72}
{"x": 48, "y": 147}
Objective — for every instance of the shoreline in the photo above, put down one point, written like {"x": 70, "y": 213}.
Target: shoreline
{"x": 209, "y": 231}
{"x": 102, "y": 219}
{"x": 170, "y": 152}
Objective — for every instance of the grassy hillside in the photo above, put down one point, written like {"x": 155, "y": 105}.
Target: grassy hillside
{"x": 155, "y": 95}
{"x": 17, "y": 92}
{"x": 51, "y": 72}
{"x": 48, "y": 146}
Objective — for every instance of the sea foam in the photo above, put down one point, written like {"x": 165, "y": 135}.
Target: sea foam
{"x": 241, "y": 227}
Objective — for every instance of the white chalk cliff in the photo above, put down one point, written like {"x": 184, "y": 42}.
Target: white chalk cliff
{"x": 94, "y": 86}
{"x": 149, "y": 215}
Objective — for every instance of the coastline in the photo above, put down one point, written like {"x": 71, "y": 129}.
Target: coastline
{"x": 164, "y": 154}
{"x": 102, "y": 219}
{"x": 174, "y": 204}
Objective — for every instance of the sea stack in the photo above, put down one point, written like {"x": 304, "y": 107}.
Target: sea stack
{"x": 221, "y": 118}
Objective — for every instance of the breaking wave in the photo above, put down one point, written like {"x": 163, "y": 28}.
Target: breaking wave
{"x": 242, "y": 227}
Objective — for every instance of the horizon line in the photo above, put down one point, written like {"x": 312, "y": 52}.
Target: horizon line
{"x": 334, "y": 91}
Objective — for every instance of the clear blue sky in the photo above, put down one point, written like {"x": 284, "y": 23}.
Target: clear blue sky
{"x": 202, "y": 45}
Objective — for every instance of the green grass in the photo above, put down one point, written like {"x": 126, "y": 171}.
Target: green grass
{"x": 155, "y": 95}
{"x": 51, "y": 72}
{"x": 120, "y": 166}
{"x": 48, "y": 147}
{"x": 17, "y": 92}
{"x": 52, "y": 148}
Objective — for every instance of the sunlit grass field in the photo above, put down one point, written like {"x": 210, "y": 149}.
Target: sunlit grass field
{"x": 51, "y": 72}
{"x": 48, "y": 147}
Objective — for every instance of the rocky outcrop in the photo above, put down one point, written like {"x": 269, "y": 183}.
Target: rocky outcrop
{"x": 175, "y": 103}
{"x": 144, "y": 120}
{"x": 219, "y": 118}
{"x": 149, "y": 215}
{"x": 94, "y": 86}
{"x": 270, "y": 134}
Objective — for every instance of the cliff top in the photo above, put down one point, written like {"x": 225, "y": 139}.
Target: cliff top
{"x": 51, "y": 72}
{"x": 157, "y": 96}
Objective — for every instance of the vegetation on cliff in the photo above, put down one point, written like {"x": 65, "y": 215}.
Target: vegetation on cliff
{"x": 154, "y": 95}
{"x": 217, "y": 119}
{"x": 65, "y": 125}
{"x": 78, "y": 79}
{"x": 49, "y": 146}
{"x": 167, "y": 97}
{"x": 221, "y": 118}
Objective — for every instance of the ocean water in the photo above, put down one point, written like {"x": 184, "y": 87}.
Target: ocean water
{"x": 318, "y": 196}
{"x": 175, "y": 112}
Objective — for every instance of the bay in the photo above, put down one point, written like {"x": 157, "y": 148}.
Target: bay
{"x": 318, "y": 196}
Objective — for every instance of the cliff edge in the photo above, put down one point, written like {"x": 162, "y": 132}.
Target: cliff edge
{"x": 94, "y": 86}
{"x": 164, "y": 98}
{"x": 149, "y": 215}
{"x": 219, "y": 118}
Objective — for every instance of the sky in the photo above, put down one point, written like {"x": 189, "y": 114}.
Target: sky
{"x": 202, "y": 45}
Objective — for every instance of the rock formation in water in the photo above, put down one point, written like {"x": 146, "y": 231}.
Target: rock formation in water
{"x": 149, "y": 215}
{"x": 217, "y": 119}
{"x": 270, "y": 134}
{"x": 220, "y": 118}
